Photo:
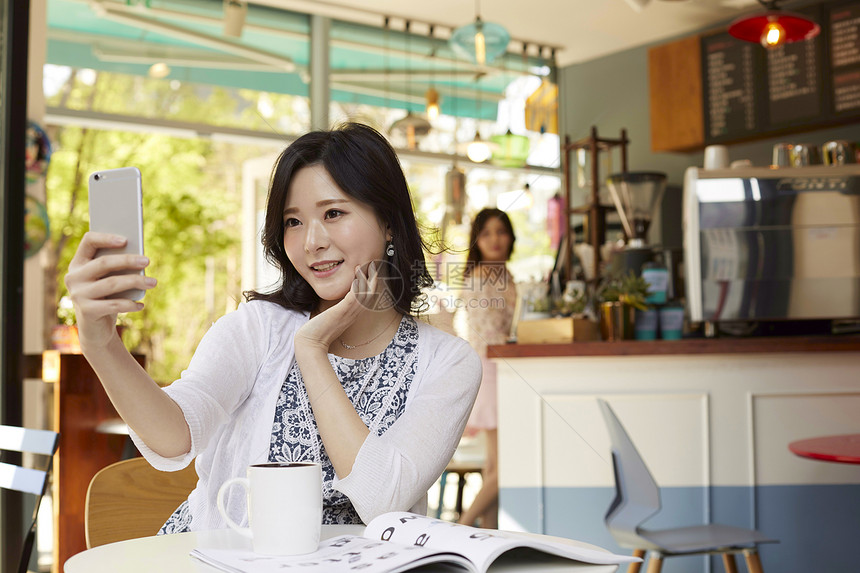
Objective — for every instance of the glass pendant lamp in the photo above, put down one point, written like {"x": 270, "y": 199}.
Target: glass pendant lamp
{"x": 480, "y": 42}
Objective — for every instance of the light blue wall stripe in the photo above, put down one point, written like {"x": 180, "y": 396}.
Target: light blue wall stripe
{"x": 818, "y": 526}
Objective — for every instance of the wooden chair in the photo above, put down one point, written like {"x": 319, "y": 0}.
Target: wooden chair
{"x": 461, "y": 470}
{"x": 15, "y": 476}
{"x": 637, "y": 499}
{"x": 467, "y": 459}
{"x": 131, "y": 499}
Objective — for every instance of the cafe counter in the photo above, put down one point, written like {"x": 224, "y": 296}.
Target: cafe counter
{"x": 687, "y": 346}
{"x": 711, "y": 417}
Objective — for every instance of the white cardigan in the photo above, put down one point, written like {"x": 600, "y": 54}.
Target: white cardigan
{"x": 228, "y": 395}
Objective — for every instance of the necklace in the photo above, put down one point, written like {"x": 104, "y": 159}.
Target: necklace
{"x": 353, "y": 346}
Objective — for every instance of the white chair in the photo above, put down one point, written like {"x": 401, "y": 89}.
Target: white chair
{"x": 17, "y": 477}
{"x": 637, "y": 498}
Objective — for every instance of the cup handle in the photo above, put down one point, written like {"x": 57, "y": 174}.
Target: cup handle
{"x": 244, "y": 531}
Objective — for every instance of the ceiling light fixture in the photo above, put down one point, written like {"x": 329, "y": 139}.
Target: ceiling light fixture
{"x": 234, "y": 17}
{"x": 130, "y": 15}
{"x": 159, "y": 70}
{"x": 478, "y": 150}
{"x": 639, "y": 5}
{"x": 512, "y": 150}
{"x": 413, "y": 126}
{"x": 774, "y": 27}
{"x": 431, "y": 95}
{"x": 481, "y": 42}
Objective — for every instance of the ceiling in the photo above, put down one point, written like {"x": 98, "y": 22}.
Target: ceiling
{"x": 581, "y": 30}
{"x": 368, "y": 64}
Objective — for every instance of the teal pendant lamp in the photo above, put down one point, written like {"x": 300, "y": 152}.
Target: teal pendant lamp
{"x": 480, "y": 42}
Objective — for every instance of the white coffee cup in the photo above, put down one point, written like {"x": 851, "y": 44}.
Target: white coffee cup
{"x": 716, "y": 157}
{"x": 284, "y": 507}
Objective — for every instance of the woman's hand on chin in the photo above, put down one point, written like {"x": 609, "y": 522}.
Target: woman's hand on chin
{"x": 323, "y": 329}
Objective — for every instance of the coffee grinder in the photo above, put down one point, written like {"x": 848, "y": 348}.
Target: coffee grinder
{"x": 637, "y": 196}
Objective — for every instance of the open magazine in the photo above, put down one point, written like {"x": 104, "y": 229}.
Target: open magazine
{"x": 401, "y": 541}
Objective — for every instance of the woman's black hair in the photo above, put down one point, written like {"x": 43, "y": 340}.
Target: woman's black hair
{"x": 364, "y": 165}
{"x": 478, "y": 223}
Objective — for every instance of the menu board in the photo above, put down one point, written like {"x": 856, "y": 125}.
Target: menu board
{"x": 729, "y": 87}
{"x": 844, "y": 24}
{"x": 752, "y": 91}
{"x": 793, "y": 82}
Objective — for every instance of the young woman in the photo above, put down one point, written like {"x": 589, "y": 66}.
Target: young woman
{"x": 329, "y": 367}
{"x": 488, "y": 304}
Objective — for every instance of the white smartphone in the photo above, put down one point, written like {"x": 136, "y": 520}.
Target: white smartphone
{"x": 116, "y": 206}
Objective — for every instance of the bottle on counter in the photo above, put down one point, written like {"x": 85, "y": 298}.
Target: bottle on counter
{"x": 645, "y": 325}
{"x": 671, "y": 321}
{"x": 657, "y": 276}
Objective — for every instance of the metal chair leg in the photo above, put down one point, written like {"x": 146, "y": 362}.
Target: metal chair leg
{"x": 27, "y": 550}
{"x": 461, "y": 486}
{"x": 442, "y": 481}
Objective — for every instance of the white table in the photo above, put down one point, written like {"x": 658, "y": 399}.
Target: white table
{"x": 170, "y": 554}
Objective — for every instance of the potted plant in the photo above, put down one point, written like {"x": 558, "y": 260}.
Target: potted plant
{"x": 572, "y": 306}
{"x": 620, "y": 295}
{"x": 572, "y": 302}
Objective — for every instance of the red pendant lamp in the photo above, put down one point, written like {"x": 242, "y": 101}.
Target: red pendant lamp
{"x": 774, "y": 27}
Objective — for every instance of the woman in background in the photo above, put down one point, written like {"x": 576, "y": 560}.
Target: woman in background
{"x": 488, "y": 301}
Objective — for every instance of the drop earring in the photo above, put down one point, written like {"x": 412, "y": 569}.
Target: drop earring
{"x": 390, "y": 249}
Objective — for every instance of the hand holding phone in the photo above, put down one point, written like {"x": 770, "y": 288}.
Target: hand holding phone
{"x": 116, "y": 207}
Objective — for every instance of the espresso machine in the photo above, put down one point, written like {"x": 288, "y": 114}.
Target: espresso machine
{"x": 637, "y": 196}
{"x": 776, "y": 249}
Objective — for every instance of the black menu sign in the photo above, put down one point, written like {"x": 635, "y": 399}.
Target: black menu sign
{"x": 729, "y": 87}
{"x": 794, "y": 83}
{"x": 844, "y": 23}
{"x": 751, "y": 91}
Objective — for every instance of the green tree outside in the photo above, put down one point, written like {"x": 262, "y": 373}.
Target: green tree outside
{"x": 191, "y": 204}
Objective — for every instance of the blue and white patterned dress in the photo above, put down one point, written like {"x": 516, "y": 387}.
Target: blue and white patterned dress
{"x": 377, "y": 387}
